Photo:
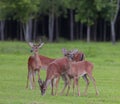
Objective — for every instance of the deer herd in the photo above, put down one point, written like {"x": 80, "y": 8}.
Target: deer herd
{"x": 71, "y": 66}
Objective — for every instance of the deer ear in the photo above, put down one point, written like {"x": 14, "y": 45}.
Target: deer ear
{"x": 40, "y": 82}
{"x": 41, "y": 44}
{"x": 30, "y": 44}
{"x": 74, "y": 51}
{"x": 64, "y": 51}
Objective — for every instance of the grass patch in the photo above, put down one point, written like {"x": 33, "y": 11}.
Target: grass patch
{"x": 13, "y": 73}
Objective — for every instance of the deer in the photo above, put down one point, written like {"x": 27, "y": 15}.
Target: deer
{"x": 34, "y": 64}
{"x": 80, "y": 68}
{"x": 55, "y": 70}
{"x": 76, "y": 56}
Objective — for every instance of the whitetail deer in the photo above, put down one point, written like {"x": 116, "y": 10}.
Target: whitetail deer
{"x": 57, "y": 68}
{"x": 80, "y": 68}
{"x": 34, "y": 64}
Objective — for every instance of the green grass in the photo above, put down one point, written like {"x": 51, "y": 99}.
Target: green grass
{"x": 13, "y": 74}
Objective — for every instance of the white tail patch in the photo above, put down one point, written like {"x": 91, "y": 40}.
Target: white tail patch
{"x": 83, "y": 73}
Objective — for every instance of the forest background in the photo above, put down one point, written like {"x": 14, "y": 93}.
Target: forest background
{"x": 56, "y": 20}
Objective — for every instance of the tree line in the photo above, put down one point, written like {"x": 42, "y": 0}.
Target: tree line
{"x": 26, "y": 20}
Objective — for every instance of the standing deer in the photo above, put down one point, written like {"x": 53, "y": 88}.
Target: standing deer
{"x": 76, "y": 56}
{"x": 34, "y": 64}
{"x": 80, "y": 68}
{"x": 57, "y": 68}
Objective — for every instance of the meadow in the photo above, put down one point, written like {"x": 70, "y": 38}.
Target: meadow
{"x": 13, "y": 73}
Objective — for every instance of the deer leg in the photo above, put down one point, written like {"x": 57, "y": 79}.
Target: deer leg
{"x": 87, "y": 84}
{"x": 27, "y": 79}
{"x": 30, "y": 79}
{"x": 52, "y": 85}
{"x": 74, "y": 86}
{"x": 38, "y": 75}
{"x": 65, "y": 84}
{"x": 57, "y": 81}
{"x": 68, "y": 83}
{"x": 33, "y": 79}
{"x": 77, "y": 83}
{"x": 94, "y": 83}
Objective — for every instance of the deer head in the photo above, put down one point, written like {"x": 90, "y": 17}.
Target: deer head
{"x": 69, "y": 54}
{"x": 35, "y": 47}
{"x": 42, "y": 86}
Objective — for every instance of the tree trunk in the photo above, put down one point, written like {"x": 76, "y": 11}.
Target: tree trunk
{"x": 28, "y": 30}
{"x": 43, "y": 27}
{"x": 113, "y": 32}
{"x": 77, "y": 30}
{"x": 104, "y": 37}
{"x": 21, "y": 32}
{"x": 113, "y": 21}
{"x": 95, "y": 31}
{"x": 101, "y": 30}
{"x": 57, "y": 29}
{"x": 27, "y": 38}
{"x": 71, "y": 25}
{"x": 81, "y": 31}
{"x": 2, "y": 26}
{"x": 51, "y": 26}
{"x": 35, "y": 29}
{"x": 88, "y": 33}
{"x": 30, "y": 27}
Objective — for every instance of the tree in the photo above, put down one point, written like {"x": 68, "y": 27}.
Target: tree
{"x": 86, "y": 13}
{"x": 53, "y": 8}
{"x": 5, "y": 10}
{"x": 25, "y": 12}
{"x": 71, "y": 6}
{"x": 115, "y": 9}
{"x": 109, "y": 11}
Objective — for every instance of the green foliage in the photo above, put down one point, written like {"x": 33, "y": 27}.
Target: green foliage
{"x": 106, "y": 8}
{"x": 70, "y": 4}
{"x": 6, "y": 9}
{"x": 86, "y": 12}
{"x": 55, "y": 7}
{"x": 20, "y": 10}
{"x": 26, "y": 9}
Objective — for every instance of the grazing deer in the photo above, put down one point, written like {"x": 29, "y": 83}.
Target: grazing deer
{"x": 57, "y": 68}
{"x": 80, "y": 68}
{"x": 34, "y": 64}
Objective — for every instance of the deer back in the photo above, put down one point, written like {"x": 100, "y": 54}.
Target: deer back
{"x": 80, "y": 68}
{"x": 45, "y": 61}
{"x": 62, "y": 65}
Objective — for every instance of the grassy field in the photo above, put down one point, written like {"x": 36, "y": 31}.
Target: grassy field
{"x": 13, "y": 74}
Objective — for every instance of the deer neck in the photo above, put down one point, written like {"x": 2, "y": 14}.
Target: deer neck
{"x": 37, "y": 59}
